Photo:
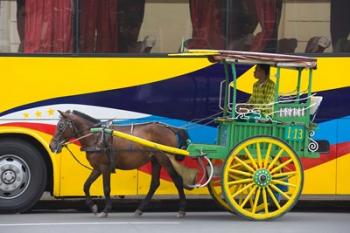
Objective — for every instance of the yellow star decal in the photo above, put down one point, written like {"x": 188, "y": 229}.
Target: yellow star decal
{"x": 26, "y": 115}
{"x": 51, "y": 112}
{"x": 38, "y": 114}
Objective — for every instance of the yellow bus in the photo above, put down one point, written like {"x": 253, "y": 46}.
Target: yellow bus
{"x": 113, "y": 60}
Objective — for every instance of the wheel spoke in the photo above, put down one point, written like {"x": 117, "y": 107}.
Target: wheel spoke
{"x": 279, "y": 167}
{"x": 258, "y": 152}
{"x": 266, "y": 206}
{"x": 243, "y": 181}
{"x": 257, "y": 195}
{"x": 240, "y": 200}
{"x": 275, "y": 159}
{"x": 273, "y": 197}
{"x": 234, "y": 188}
{"x": 237, "y": 165}
{"x": 284, "y": 174}
{"x": 248, "y": 196}
{"x": 242, "y": 190}
{"x": 245, "y": 164}
{"x": 241, "y": 172}
{"x": 267, "y": 156}
{"x": 283, "y": 183}
{"x": 280, "y": 191}
{"x": 235, "y": 177}
{"x": 251, "y": 158}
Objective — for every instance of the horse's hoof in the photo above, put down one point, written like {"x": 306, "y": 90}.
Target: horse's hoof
{"x": 94, "y": 209}
{"x": 138, "y": 213}
{"x": 102, "y": 215}
{"x": 181, "y": 214}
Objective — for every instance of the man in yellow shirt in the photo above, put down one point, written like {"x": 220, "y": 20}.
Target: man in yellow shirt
{"x": 262, "y": 97}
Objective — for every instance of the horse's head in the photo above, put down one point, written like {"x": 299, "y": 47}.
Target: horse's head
{"x": 65, "y": 130}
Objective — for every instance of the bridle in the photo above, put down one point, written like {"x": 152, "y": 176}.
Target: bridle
{"x": 77, "y": 134}
{"x": 62, "y": 126}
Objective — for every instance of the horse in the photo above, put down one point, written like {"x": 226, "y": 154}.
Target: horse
{"x": 106, "y": 153}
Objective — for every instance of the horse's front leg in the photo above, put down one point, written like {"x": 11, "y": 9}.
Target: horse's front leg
{"x": 106, "y": 175}
{"x": 91, "y": 179}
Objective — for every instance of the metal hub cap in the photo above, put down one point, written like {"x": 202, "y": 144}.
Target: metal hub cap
{"x": 8, "y": 177}
{"x": 14, "y": 176}
{"x": 262, "y": 177}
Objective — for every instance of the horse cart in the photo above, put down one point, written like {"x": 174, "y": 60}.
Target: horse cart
{"x": 254, "y": 169}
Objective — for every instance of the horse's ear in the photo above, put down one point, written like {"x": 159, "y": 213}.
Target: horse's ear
{"x": 62, "y": 113}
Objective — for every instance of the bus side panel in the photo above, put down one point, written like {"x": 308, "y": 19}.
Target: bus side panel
{"x": 343, "y": 158}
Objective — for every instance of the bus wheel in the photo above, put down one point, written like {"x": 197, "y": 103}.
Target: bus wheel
{"x": 23, "y": 176}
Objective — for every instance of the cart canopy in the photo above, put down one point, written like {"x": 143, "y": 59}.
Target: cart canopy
{"x": 242, "y": 57}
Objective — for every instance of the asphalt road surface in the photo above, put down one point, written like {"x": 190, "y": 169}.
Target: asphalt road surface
{"x": 203, "y": 216}
{"x": 166, "y": 222}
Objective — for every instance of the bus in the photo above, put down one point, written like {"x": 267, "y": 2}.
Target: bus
{"x": 115, "y": 59}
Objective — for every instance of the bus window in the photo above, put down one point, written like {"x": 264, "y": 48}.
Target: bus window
{"x": 36, "y": 26}
{"x": 156, "y": 26}
{"x": 318, "y": 26}
{"x": 9, "y": 38}
{"x": 288, "y": 26}
{"x": 252, "y": 25}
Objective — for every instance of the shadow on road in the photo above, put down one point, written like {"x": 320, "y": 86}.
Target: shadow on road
{"x": 171, "y": 205}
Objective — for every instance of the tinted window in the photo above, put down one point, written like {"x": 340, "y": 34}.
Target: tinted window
{"x": 167, "y": 26}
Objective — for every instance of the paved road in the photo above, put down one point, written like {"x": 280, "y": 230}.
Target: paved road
{"x": 166, "y": 222}
{"x": 204, "y": 216}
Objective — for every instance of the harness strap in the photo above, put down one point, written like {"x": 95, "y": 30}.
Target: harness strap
{"x": 107, "y": 142}
{"x": 93, "y": 149}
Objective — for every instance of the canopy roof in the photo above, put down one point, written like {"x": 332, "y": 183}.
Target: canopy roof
{"x": 273, "y": 59}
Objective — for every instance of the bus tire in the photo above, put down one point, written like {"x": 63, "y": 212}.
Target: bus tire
{"x": 23, "y": 176}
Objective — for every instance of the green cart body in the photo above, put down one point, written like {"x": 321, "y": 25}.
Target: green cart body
{"x": 291, "y": 120}
{"x": 257, "y": 168}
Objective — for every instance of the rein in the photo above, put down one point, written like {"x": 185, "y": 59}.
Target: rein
{"x": 77, "y": 160}
{"x": 77, "y": 139}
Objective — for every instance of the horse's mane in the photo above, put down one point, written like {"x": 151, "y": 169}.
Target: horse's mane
{"x": 86, "y": 117}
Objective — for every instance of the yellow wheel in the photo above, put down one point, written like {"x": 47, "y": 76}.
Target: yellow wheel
{"x": 215, "y": 190}
{"x": 262, "y": 178}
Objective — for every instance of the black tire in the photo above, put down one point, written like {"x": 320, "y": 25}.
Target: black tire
{"x": 23, "y": 176}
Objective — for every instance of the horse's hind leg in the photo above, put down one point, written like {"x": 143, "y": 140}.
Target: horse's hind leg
{"x": 177, "y": 179}
{"x": 153, "y": 187}
{"x": 91, "y": 179}
{"x": 107, "y": 190}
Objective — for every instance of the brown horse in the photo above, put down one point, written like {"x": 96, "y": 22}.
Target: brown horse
{"x": 107, "y": 153}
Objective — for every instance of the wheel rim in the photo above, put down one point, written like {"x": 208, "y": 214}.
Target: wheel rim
{"x": 14, "y": 176}
{"x": 262, "y": 178}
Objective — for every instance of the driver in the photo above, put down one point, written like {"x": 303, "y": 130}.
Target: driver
{"x": 262, "y": 97}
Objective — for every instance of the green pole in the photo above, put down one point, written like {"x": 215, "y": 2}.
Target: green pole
{"x": 226, "y": 101}
{"x": 299, "y": 84}
{"x": 309, "y": 92}
{"x": 234, "y": 75}
{"x": 278, "y": 74}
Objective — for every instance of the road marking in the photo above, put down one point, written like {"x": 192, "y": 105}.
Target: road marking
{"x": 86, "y": 223}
